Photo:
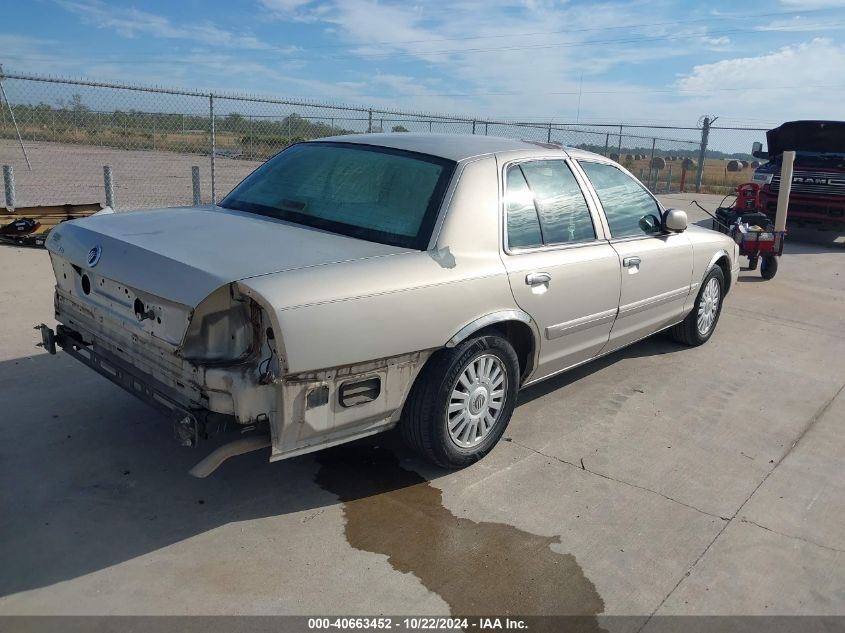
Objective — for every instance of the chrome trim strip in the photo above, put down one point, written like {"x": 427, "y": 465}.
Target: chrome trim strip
{"x": 582, "y": 323}
{"x": 645, "y": 304}
{"x": 488, "y": 319}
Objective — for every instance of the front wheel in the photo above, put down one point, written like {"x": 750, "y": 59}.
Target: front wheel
{"x": 698, "y": 327}
{"x": 462, "y": 402}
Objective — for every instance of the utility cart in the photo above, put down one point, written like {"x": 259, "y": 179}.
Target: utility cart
{"x": 755, "y": 234}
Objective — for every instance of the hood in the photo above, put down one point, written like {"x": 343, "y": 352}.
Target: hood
{"x": 807, "y": 136}
{"x": 184, "y": 254}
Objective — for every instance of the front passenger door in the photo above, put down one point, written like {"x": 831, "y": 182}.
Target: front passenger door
{"x": 656, "y": 267}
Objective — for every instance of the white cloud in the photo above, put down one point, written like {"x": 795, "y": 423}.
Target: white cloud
{"x": 807, "y": 5}
{"x": 133, "y": 22}
{"x": 801, "y": 81}
{"x": 800, "y": 23}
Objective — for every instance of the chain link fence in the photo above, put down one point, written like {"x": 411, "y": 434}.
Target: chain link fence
{"x": 58, "y": 135}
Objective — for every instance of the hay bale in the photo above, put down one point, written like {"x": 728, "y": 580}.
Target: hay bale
{"x": 615, "y": 157}
{"x": 755, "y": 164}
{"x": 658, "y": 163}
{"x": 734, "y": 165}
{"x": 629, "y": 157}
{"x": 688, "y": 164}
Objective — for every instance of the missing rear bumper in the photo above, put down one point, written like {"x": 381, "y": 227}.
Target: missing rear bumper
{"x": 189, "y": 423}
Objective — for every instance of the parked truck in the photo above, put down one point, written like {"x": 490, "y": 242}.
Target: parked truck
{"x": 818, "y": 177}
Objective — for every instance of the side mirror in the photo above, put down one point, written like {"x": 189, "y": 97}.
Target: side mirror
{"x": 675, "y": 221}
{"x": 757, "y": 150}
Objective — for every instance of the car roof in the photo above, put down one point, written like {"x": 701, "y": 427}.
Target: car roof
{"x": 455, "y": 147}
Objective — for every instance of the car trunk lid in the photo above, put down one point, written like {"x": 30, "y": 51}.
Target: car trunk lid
{"x": 184, "y": 254}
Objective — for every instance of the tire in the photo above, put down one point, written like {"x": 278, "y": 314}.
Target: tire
{"x": 752, "y": 263}
{"x": 428, "y": 416}
{"x": 769, "y": 267}
{"x": 688, "y": 331}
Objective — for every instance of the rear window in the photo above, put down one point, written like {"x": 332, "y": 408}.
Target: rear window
{"x": 373, "y": 193}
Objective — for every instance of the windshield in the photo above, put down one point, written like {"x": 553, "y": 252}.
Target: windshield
{"x": 373, "y": 193}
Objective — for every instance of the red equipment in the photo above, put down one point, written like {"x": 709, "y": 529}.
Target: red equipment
{"x": 748, "y": 196}
{"x": 751, "y": 229}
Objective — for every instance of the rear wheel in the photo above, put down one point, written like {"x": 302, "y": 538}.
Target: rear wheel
{"x": 752, "y": 263}
{"x": 462, "y": 402}
{"x": 768, "y": 266}
{"x": 699, "y": 325}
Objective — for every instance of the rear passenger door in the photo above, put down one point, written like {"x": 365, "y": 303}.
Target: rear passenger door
{"x": 562, "y": 271}
{"x": 656, "y": 267}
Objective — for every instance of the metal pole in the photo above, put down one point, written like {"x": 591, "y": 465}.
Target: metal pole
{"x": 642, "y": 171}
{"x": 214, "y": 149}
{"x": 619, "y": 150}
{"x": 669, "y": 180}
{"x": 195, "y": 185}
{"x": 651, "y": 162}
{"x": 108, "y": 185}
{"x": 705, "y": 135}
{"x": 14, "y": 122}
{"x": 549, "y": 134}
{"x": 473, "y": 126}
{"x": 370, "y": 122}
{"x": 606, "y": 142}
{"x": 429, "y": 126}
{"x": 9, "y": 186}
{"x": 485, "y": 128}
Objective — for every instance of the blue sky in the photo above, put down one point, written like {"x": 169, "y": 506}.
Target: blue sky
{"x": 755, "y": 62}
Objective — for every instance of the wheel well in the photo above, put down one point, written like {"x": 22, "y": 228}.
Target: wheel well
{"x": 725, "y": 265}
{"x": 520, "y": 336}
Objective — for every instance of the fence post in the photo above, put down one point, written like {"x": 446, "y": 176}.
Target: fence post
{"x": 705, "y": 135}
{"x": 213, "y": 148}
{"x": 549, "y": 134}
{"x": 108, "y": 185}
{"x": 651, "y": 164}
{"x": 473, "y": 126}
{"x": 485, "y": 128}
{"x": 607, "y": 143}
{"x": 9, "y": 186}
{"x": 195, "y": 185}
{"x": 619, "y": 150}
{"x": 370, "y": 121}
{"x": 669, "y": 180}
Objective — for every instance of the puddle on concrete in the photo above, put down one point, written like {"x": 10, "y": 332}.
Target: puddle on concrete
{"x": 477, "y": 568}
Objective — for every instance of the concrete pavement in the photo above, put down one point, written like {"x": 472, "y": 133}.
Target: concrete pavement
{"x": 660, "y": 479}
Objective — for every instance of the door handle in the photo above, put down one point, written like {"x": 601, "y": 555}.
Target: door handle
{"x": 631, "y": 262}
{"x": 535, "y": 279}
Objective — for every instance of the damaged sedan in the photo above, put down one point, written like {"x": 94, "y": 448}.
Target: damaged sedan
{"x": 358, "y": 283}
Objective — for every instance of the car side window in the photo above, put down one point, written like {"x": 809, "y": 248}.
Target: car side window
{"x": 629, "y": 208}
{"x": 563, "y": 211}
{"x": 523, "y": 223}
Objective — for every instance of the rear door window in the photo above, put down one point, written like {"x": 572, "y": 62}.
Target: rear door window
{"x": 563, "y": 211}
{"x": 523, "y": 222}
